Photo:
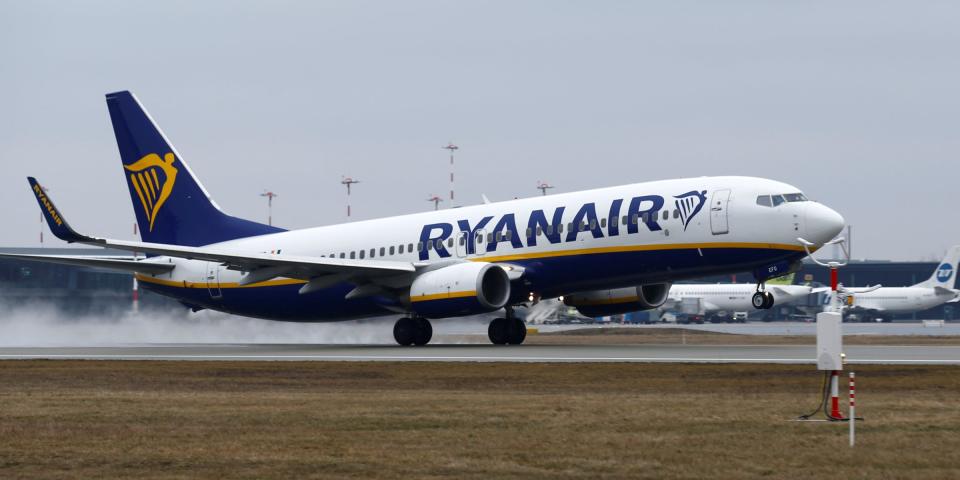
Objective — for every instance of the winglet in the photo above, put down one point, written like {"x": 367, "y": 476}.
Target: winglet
{"x": 58, "y": 225}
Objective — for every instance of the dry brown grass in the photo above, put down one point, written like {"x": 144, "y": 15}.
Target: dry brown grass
{"x": 661, "y": 336}
{"x": 93, "y": 419}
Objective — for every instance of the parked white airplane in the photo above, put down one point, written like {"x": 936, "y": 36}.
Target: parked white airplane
{"x": 882, "y": 303}
{"x": 447, "y": 263}
{"x": 736, "y": 297}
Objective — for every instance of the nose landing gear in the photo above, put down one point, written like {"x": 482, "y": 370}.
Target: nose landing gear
{"x": 762, "y": 300}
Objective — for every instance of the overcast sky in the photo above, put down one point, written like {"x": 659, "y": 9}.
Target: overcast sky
{"x": 856, "y": 103}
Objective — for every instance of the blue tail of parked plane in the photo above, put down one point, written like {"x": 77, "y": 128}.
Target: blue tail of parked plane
{"x": 170, "y": 204}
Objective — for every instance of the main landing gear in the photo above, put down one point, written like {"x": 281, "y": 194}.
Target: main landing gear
{"x": 507, "y": 331}
{"x": 762, "y": 300}
{"x": 412, "y": 331}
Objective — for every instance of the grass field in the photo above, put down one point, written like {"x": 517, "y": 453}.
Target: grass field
{"x": 93, "y": 419}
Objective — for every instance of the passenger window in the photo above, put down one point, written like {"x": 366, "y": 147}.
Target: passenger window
{"x": 439, "y": 245}
{"x": 559, "y": 228}
{"x": 479, "y": 239}
{"x": 410, "y": 247}
{"x": 666, "y": 214}
{"x": 764, "y": 201}
{"x": 463, "y": 240}
{"x": 633, "y": 219}
{"x": 401, "y": 248}
{"x": 777, "y": 200}
{"x": 489, "y": 238}
{"x": 393, "y": 249}
{"x": 539, "y": 230}
{"x": 570, "y": 227}
{"x": 549, "y": 229}
{"x": 646, "y": 217}
{"x": 508, "y": 235}
{"x": 603, "y": 223}
{"x": 624, "y": 220}
{"x": 353, "y": 255}
{"x": 383, "y": 251}
{"x": 593, "y": 224}
{"x": 676, "y": 213}
{"x": 361, "y": 254}
{"x": 373, "y": 252}
{"x": 343, "y": 255}
{"x": 419, "y": 246}
{"x": 450, "y": 243}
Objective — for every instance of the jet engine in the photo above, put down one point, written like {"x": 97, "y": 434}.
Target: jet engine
{"x": 462, "y": 289}
{"x": 600, "y": 303}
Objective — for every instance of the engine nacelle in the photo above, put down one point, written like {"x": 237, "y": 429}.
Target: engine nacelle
{"x": 462, "y": 289}
{"x": 600, "y": 303}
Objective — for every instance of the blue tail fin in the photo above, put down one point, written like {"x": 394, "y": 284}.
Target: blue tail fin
{"x": 171, "y": 205}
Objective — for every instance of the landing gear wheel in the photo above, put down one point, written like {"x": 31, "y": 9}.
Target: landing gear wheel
{"x": 516, "y": 331}
{"x": 424, "y": 332}
{"x": 767, "y": 300}
{"x": 759, "y": 300}
{"x": 498, "y": 331}
{"x": 405, "y": 331}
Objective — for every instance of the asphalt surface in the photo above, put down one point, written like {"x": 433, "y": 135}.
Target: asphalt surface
{"x": 793, "y": 354}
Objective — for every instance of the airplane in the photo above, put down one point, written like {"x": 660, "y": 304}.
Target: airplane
{"x": 882, "y": 303}
{"x": 716, "y": 298}
{"x": 448, "y": 263}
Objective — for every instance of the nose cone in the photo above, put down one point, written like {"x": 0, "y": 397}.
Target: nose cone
{"x": 823, "y": 223}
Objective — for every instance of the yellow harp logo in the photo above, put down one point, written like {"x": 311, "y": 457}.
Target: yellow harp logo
{"x": 145, "y": 176}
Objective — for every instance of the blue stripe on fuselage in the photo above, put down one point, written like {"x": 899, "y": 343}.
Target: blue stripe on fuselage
{"x": 549, "y": 277}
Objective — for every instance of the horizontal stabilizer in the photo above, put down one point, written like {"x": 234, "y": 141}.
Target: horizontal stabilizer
{"x": 127, "y": 265}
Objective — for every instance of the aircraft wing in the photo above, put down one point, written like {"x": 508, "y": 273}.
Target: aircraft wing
{"x": 128, "y": 264}
{"x": 265, "y": 266}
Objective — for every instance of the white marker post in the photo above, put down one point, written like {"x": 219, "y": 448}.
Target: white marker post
{"x": 853, "y": 407}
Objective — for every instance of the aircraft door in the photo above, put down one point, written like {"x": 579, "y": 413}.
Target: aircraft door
{"x": 480, "y": 243}
{"x": 460, "y": 244}
{"x": 718, "y": 212}
{"x": 213, "y": 280}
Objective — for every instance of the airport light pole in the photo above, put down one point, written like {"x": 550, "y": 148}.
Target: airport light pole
{"x": 543, "y": 187}
{"x": 270, "y": 196}
{"x": 452, "y": 148}
{"x": 347, "y": 181}
{"x": 436, "y": 201}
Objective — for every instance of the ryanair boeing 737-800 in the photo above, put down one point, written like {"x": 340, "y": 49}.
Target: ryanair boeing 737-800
{"x": 450, "y": 263}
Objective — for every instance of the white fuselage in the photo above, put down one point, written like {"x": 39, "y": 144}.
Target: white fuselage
{"x": 733, "y": 297}
{"x": 900, "y": 299}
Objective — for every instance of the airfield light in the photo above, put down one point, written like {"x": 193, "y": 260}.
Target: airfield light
{"x": 543, "y": 187}
{"x": 452, "y": 148}
{"x": 270, "y": 196}
{"x": 348, "y": 181}
{"x": 436, "y": 201}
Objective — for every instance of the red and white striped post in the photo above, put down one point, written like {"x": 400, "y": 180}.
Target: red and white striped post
{"x": 136, "y": 296}
{"x": 853, "y": 407}
{"x": 835, "y": 395}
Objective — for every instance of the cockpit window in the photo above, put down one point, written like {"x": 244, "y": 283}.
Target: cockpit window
{"x": 764, "y": 200}
{"x": 777, "y": 200}
{"x": 795, "y": 197}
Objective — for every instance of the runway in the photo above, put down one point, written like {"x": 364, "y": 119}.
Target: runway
{"x": 786, "y": 354}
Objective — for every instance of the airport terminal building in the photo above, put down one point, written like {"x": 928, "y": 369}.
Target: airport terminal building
{"x": 95, "y": 291}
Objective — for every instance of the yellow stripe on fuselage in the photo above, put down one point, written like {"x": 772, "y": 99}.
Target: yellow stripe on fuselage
{"x": 444, "y": 296}
{"x": 637, "y": 248}
{"x": 185, "y": 284}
